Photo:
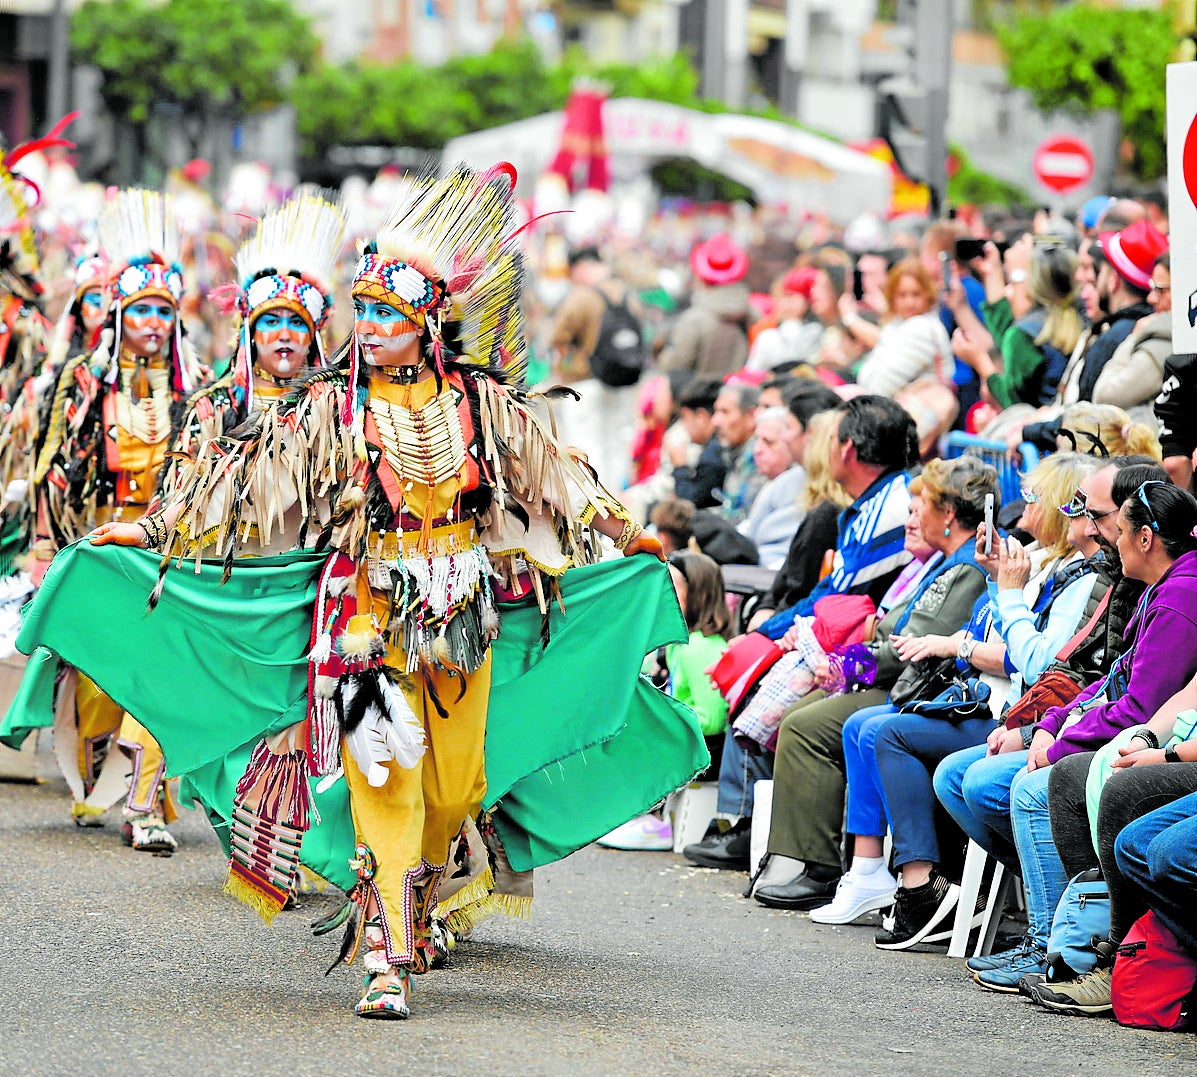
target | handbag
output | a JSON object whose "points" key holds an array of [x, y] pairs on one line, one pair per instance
{"points": [[1056, 687], [923, 680], [962, 699]]}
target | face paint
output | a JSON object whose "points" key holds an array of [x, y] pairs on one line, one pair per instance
{"points": [[91, 309], [282, 341], [146, 326], [387, 337]]}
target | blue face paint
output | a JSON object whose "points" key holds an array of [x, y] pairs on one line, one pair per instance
{"points": [[274, 321], [381, 319], [144, 311]]}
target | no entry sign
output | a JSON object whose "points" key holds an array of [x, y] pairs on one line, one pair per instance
{"points": [[1063, 163]]}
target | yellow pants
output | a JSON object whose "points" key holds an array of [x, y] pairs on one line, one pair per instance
{"points": [[409, 822], [98, 717]]}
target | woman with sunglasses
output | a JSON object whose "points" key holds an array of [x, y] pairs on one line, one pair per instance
{"points": [[1001, 800]]}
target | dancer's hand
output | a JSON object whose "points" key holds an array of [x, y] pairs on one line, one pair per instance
{"points": [[129, 534], [645, 543]]}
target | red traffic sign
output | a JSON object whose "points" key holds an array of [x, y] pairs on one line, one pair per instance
{"points": [[1063, 163], [1188, 161]]}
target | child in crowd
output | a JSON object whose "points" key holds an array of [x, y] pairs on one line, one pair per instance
{"points": [[699, 586]]}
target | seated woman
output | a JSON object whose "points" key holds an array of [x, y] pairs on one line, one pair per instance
{"points": [[1134, 788], [1032, 317], [1034, 601], [1000, 800], [911, 360], [808, 793]]}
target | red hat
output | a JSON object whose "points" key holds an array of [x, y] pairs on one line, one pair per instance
{"points": [[719, 261], [800, 281], [1133, 251]]}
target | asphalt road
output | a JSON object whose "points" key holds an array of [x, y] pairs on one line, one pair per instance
{"points": [[117, 962]]}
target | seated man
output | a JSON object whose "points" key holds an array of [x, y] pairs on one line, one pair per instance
{"points": [[874, 441], [774, 516]]}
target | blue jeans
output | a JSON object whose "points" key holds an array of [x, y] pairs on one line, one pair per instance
{"points": [[975, 789], [867, 812], [737, 773], [1158, 853], [906, 751], [1004, 810], [1043, 874]]}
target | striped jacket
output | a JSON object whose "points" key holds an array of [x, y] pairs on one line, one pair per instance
{"points": [[870, 551]]}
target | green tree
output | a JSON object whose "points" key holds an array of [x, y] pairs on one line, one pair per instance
{"points": [[1084, 58], [212, 60]]}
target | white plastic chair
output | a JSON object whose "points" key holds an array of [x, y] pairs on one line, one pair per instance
{"points": [[691, 811], [970, 889]]}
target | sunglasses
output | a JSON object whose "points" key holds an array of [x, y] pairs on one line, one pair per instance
{"points": [[1079, 506], [1028, 495], [1141, 494]]}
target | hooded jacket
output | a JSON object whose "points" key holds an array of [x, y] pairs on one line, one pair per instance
{"points": [[1165, 626], [1134, 374]]}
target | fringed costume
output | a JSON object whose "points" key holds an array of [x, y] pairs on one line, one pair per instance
{"points": [[439, 501], [106, 439]]}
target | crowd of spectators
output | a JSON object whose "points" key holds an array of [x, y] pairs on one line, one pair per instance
{"points": [[917, 664]]}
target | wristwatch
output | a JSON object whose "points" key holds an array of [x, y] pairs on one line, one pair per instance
{"points": [[965, 651], [1018, 276], [1171, 756]]}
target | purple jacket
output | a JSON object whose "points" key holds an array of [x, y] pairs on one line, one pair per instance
{"points": [[1162, 659]]}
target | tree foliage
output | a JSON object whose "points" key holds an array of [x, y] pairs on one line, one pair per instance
{"points": [[1084, 58], [202, 56], [407, 104]]}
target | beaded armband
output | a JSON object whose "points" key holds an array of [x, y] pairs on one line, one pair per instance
{"points": [[155, 531], [630, 530]]}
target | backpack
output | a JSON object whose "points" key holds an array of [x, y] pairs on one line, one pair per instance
{"points": [[1154, 978], [619, 354], [1082, 918]]}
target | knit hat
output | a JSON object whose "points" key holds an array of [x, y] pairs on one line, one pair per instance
{"points": [[719, 261], [1133, 251]]}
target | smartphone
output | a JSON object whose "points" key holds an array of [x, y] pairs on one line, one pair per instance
{"points": [[968, 248], [857, 285], [945, 270], [989, 528]]}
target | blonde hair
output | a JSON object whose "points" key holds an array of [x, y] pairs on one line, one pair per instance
{"points": [[1112, 427], [1055, 480], [913, 268], [820, 484], [1052, 283]]}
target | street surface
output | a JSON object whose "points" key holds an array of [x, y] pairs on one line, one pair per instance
{"points": [[118, 962]]}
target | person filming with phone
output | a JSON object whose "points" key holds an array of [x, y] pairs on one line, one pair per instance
{"points": [[1031, 314]]}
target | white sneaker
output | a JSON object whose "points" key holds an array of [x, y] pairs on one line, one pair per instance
{"points": [[854, 897], [645, 833]]}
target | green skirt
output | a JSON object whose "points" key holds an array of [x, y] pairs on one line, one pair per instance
{"points": [[577, 741]]}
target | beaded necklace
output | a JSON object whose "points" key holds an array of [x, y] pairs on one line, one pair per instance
{"points": [[423, 444], [147, 418]]}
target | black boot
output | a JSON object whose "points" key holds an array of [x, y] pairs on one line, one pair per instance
{"points": [[726, 849]]}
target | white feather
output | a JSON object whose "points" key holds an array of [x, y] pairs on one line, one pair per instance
{"points": [[380, 738]]}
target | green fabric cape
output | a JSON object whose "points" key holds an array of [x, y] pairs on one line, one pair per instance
{"points": [[577, 741]]}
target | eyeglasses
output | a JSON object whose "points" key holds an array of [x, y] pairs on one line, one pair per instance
{"points": [[1141, 494], [1028, 495], [1159, 289]]}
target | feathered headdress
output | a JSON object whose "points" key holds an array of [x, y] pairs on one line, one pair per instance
{"points": [[447, 253], [288, 263], [18, 195], [140, 236], [91, 274]]}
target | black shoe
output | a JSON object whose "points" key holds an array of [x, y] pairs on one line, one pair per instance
{"points": [[917, 912], [727, 849], [814, 887]]}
